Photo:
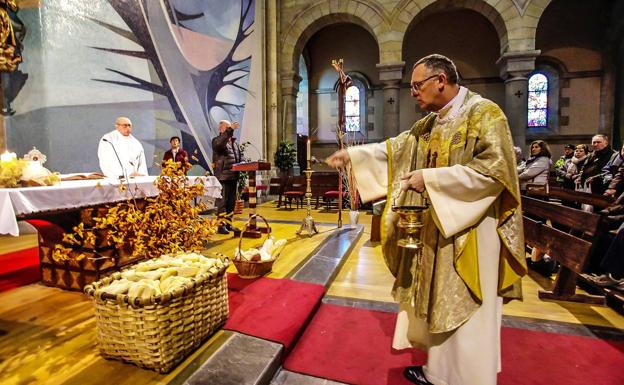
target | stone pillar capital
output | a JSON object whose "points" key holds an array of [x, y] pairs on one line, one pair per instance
{"points": [[517, 64], [290, 83], [391, 74]]}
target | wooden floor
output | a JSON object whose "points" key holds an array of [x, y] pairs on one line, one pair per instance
{"points": [[47, 336]]}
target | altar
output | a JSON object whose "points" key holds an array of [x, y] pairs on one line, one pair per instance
{"points": [[33, 202]]}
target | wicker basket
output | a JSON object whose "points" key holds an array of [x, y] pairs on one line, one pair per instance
{"points": [[159, 332], [252, 269]]}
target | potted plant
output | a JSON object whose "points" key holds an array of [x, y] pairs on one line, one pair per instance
{"points": [[285, 156], [241, 182]]}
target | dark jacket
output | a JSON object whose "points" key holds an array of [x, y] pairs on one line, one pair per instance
{"points": [[595, 162], [617, 183], [224, 154]]}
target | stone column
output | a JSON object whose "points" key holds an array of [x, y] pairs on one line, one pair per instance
{"points": [[288, 125], [390, 75], [514, 67], [290, 88], [607, 99]]}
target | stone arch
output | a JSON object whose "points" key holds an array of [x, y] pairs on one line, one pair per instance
{"points": [[410, 12], [522, 30], [325, 13]]}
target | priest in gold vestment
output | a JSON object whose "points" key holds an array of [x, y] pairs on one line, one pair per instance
{"points": [[460, 156]]}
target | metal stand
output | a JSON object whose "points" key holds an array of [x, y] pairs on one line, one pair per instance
{"points": [[308, 222]]}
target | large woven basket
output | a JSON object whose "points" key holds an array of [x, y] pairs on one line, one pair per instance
{"points": [[159, 332], [249, 269]]}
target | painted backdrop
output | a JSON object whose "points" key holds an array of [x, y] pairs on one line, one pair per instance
{"points": [[174, 67]]}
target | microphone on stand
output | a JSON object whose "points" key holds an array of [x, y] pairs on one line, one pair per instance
{"points": [[257, 150], [119, 160]]}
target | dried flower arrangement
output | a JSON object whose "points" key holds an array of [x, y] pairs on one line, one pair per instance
{"points": [[165, 224]]}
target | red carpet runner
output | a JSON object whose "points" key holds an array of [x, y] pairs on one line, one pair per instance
{"points": [[353, 346], [19, 268], [273, 309]]}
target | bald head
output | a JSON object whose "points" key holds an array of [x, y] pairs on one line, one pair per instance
{"points": [[123, 125]]}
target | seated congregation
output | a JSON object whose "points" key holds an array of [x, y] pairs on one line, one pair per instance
{"points": [[574, 218]]}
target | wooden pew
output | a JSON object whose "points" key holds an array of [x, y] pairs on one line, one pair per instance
{"points": [[571, 251], [562, 194]]}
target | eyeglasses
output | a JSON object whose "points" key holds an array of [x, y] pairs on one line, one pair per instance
{"points": [[124, 124], [416, 85]]}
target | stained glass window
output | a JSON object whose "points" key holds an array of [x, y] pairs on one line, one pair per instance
{"points": [[352, 109], [538, 101]]}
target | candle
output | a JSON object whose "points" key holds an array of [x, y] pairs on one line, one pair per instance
{"points": [[309, 152], [8, 156]]}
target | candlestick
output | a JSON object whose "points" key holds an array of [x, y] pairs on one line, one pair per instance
{"points": [[308, 226], [8, 156]]}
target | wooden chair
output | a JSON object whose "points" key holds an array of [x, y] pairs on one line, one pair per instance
{"points": [[323, 182], [571, 251], [295, 189], [276, 187]]}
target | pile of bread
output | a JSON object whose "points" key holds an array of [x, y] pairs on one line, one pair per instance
{"points": [[162, 275], [269, 250]]}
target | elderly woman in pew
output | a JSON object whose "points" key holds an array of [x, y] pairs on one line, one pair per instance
{"points": [[537, 167], [574, 168]]}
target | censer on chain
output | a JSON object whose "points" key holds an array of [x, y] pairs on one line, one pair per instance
{"points": [[411, 220]]}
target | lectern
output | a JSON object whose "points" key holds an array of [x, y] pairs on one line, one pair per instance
{"points": [[250, 168]]}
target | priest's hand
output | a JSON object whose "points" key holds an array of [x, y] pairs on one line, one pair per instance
{"points": [[413, 180], [338, 159]]}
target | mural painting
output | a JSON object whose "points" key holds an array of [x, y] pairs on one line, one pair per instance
{"points": [[175, 67]]}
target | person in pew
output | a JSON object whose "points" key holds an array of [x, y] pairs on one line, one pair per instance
{"points": [[609, 170], [612, 263], [176, 153], [616, 184], [537, 167], [574, 168], [562, 164], [518, 155], [120, 154], [592, 169], [461, 156]]}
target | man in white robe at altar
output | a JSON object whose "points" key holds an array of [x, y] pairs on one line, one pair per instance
{"points": [[120, 154], [460, 159]]}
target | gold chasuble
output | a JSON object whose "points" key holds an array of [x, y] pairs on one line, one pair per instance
{"points": [[444, 287]]}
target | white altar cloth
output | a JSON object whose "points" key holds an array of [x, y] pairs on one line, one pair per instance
{"points": [[15, 202]]}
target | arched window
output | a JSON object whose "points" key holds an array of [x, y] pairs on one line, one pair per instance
{"points": [[303, 127], [538, 101], [352, 109]]}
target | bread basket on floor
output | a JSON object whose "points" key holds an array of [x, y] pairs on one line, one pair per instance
{"points": [[160, 331], [246, 267]]}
